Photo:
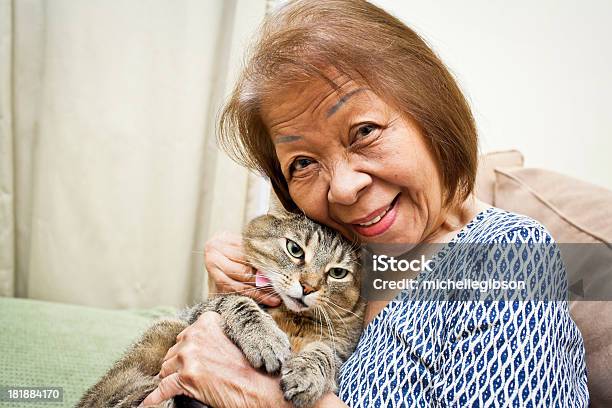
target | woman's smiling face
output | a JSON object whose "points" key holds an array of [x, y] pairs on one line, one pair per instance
{"points": [[354, 163]]}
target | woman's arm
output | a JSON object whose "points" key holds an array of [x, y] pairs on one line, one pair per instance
{"points": [[330, 400], [205, 365]]}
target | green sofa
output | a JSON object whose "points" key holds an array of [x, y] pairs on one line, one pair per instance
{"points": [[68, 346]]}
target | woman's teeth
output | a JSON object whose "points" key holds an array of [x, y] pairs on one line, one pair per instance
{"points": [[375, 219]]}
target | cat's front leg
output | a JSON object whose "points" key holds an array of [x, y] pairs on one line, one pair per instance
{"points": [[254, 331], [308, 375]]}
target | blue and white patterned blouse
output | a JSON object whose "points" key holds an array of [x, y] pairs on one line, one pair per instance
{"points": [[475, 353]]}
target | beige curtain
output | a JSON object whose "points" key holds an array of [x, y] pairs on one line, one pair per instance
{"points": [[7, 226], [110, 179]]}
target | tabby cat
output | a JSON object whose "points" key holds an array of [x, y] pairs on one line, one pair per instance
{"points": [[316, 273]]}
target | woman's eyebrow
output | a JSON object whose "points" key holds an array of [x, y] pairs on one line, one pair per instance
{"points": [[331, 111], [287, 139], [342, 100]]}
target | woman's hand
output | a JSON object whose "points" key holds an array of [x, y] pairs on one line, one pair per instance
{"points": [[225, 263], [204, 364]]}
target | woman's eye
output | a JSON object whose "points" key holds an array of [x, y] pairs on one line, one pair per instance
{"points": [[337, 273], [294, 249], [299, 164], [365, 130]]}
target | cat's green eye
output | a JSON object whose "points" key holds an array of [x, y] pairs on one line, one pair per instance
{"points": [[294, 249], [337, 273]]}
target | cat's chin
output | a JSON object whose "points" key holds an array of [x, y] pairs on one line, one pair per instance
{"points": [[294, 305]]}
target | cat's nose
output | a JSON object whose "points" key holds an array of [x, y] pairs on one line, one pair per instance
{"points": [[306, 289]]}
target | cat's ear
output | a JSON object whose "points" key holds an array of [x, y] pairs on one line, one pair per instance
{"points": [[276, 208]]}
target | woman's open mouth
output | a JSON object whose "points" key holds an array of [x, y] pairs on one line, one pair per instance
{"points": [[380, 223]]}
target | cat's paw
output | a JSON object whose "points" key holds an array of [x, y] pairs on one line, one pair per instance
{"points": [[302, 383], [254, 332], [266, 347]]}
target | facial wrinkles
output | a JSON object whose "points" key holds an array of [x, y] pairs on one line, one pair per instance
{"points": [[321, 140], [313, 125], [336, 164], [318, 103], [285, 116]]}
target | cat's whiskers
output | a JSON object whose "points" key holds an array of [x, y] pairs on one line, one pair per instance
{"points": [[340, 318], [243, 291], [355, 246], [331, 330], [317, 319], [268, 269], [330, 302], [266, 297]]}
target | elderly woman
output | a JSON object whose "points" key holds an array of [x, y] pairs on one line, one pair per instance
{"points": [[361, 127]]}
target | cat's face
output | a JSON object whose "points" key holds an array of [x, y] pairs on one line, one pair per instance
{"points": [[309, 266]]}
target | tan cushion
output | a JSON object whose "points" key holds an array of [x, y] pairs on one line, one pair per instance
{"points": [[574, 212], [487, 163]]}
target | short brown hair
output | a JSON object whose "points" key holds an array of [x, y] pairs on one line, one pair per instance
{"points": [[303, 38]]}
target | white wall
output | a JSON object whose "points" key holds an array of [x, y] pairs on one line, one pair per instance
{"points": [[538, 75]]}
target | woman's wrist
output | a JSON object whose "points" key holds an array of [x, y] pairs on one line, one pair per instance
{"points": [[275, 398], [330, 400], [267, 391]]}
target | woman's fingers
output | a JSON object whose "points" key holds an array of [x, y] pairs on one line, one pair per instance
{"points": [[166, 389], [169, 367], [229, 238], [224, 284], [266, 296], [225, 262], [172, 351], [234, 268], [221, 258]]}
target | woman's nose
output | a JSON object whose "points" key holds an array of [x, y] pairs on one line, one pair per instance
{"points": [[346, 184]]}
